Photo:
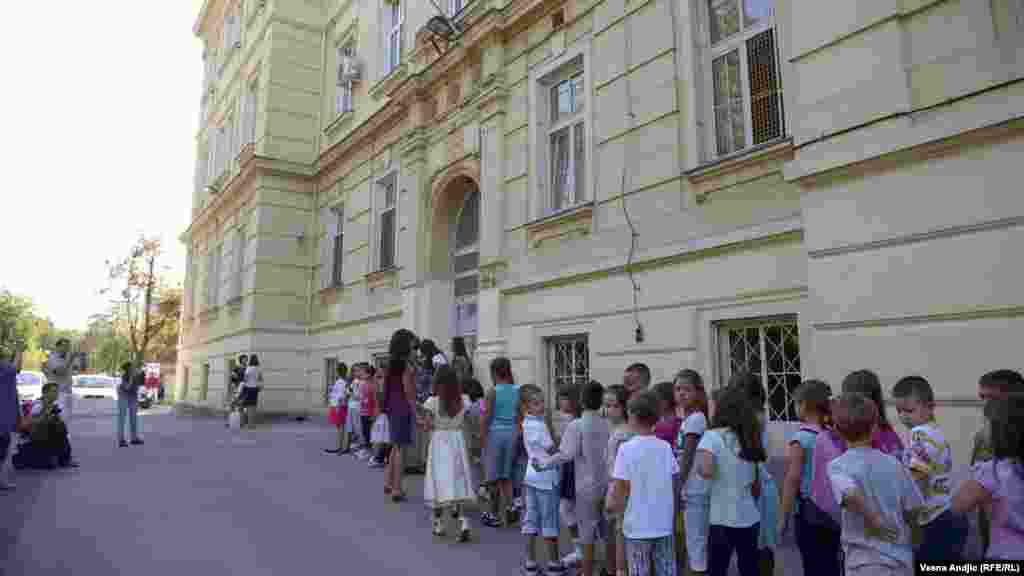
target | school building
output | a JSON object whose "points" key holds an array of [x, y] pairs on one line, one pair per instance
{"points": [[796, 187]]}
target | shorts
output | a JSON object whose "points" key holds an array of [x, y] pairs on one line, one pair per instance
{"points": [[651, 557], [400, 427], [541, 516], [336, 416], [501, 454], [590, 515]]}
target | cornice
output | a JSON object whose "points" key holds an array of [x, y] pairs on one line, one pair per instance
{"points": [[251, 167], [367, 130]]}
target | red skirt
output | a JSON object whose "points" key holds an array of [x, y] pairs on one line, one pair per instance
{"points": [[337, 415]]}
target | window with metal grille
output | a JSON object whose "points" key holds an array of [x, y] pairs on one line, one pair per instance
{"points": [[568, 362], [746, 88], [770, 349], [386, 254], [330, 376]]}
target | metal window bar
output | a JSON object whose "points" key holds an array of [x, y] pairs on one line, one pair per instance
{"points": [[770, 350], [569, 361]]}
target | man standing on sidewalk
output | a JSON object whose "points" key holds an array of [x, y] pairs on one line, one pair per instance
{"points": [[10, 411], [59, 369]]}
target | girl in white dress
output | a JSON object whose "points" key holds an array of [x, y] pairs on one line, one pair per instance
{"points": [[448, 485]]}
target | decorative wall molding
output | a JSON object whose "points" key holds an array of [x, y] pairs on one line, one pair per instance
{"points": [[965, 314]]}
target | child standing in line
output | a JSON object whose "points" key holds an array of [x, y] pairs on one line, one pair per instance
{"points": [[728, 456], [998, 384], [615, 398], [541, 486], [368, 412], [448, 482], [336, 414], [875, 493], [999, 483], [818, 544], [768, 503], [929, 459], [568, 411], [359, 444], [692, 398], [644, 488], [472, 388], [382, 448], [584, 443]]}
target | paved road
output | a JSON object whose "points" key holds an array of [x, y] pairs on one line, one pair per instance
{"points": [[201, 500]]}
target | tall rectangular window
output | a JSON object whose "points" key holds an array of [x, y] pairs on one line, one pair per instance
{"points": [[561, 97], [770, 349], [393, 16], [746, 86], [338, 246], [388, 221], [238, 275], [247, 127], [343, 94], [330, 376]]}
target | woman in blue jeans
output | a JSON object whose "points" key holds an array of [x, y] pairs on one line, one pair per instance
{"points": [[498, 435], [128, 403]]}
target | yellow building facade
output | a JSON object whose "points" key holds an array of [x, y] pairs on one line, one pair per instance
{"points": [[795, 187]]}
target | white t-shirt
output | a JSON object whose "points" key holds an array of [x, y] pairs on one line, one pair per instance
{"points": [[648, 464], [538, 440], [253, 376], [337, 393], [695, 423], [732, 504]]}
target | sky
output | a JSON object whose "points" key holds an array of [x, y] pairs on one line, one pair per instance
{"points": [[100, 107]]}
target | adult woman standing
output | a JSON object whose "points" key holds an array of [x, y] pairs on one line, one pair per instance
{"points": [[461, 361], [249, 391], [399, 397]]}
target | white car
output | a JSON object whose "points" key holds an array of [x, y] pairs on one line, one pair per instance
{"points": [[30, 384], [94, 386]]}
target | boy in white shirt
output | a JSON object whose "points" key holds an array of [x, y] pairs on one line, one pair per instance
{"points": [[644, 486], [338, 404], [929, 459], [541, 486]]}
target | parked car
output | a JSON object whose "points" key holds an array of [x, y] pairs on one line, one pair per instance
{"points": [[30, 384], [94, 386]]}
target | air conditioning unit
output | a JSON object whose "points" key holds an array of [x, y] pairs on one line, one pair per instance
{"points": [[349, 68]]}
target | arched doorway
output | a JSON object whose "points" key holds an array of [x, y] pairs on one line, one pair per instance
{"points": [[466, 269]]}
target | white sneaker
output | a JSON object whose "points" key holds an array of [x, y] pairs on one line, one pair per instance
{"points": [[571, 559]]}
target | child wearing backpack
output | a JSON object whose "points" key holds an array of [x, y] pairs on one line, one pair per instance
{"points": [[817, 535]]}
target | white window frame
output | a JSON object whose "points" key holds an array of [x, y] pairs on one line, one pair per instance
{"points": [[723, 357], [329, 221], [542, 78], [392, 34], [383, 208], [570, 197], [738, 42], [330, 377], [344, 98]]}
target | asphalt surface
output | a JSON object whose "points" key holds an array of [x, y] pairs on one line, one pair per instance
{"points": [[199, 499]]}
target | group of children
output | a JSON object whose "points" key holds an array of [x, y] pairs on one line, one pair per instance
{"points": [[674, 482], [353, 409]]}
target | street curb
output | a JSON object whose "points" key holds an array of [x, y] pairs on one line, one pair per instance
{"points": [[208, 412]]}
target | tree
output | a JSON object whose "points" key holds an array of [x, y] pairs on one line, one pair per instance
{"points": [[17, 319], [146, 305]]}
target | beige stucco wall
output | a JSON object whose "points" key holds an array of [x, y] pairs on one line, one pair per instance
{"points": [[886, 225]]}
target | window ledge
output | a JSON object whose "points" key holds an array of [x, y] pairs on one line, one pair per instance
{"points": [[740, 167], [339, 121], [330, 295], [573, 221], [387, 277], [387, 85]]}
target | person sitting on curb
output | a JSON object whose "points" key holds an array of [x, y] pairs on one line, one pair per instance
{"points": [[48, 446]]}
